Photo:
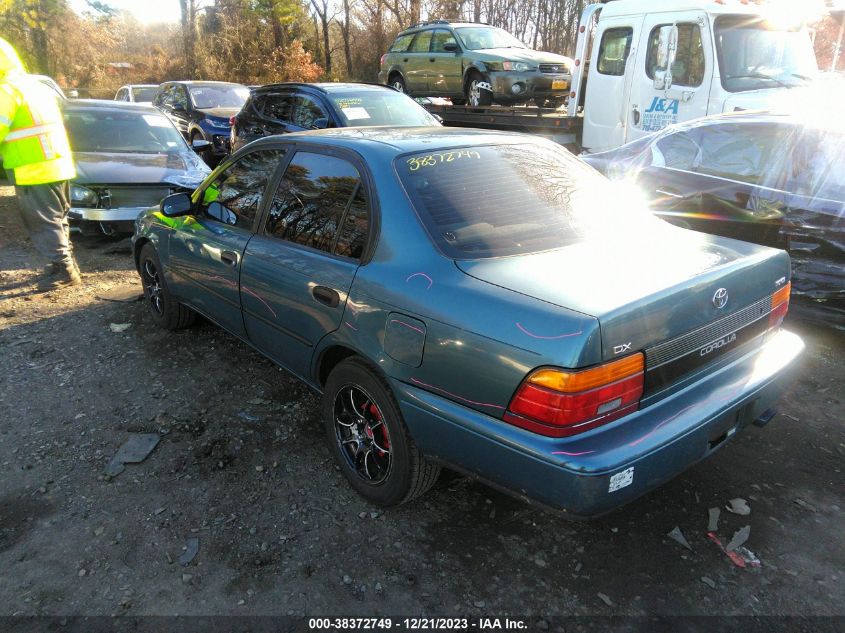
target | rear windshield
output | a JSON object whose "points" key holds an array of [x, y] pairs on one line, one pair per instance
{"points": [[385, 107], [499, 200]]}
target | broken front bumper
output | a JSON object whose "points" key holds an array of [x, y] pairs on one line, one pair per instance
{"points": [[521, 86], [592, 473], [121, 220]]}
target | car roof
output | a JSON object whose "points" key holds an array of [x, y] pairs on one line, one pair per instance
{"points": [[140, 86], [197, 82], [440, 23], [400, 140], [82, 105], [325, 87]]}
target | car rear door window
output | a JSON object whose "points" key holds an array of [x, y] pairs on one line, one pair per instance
{"points": [[279, 107], [234, 197], [678, 151], [421, 42], [401, 44], [321, 203], [688, 67], [614, 49], [440, 38]]}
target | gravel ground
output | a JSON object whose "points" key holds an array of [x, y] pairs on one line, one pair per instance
{"points": [[242, 466]]}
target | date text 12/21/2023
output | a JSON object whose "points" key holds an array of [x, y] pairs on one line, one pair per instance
{"points": [[417, 624]]}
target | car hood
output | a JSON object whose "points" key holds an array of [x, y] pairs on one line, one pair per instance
{"points": [[220, 113], [184, 169], [521, 55], [770, 99]]}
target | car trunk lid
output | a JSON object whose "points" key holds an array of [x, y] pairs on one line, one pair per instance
{"points": [[671, 298]]}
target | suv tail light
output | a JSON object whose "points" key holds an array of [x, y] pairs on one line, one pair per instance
{"points": [[381, 59], [780, 306], [559, 403], [232, 119]]}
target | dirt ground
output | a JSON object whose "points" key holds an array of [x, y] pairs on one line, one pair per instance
{"points": [[242, 466]]}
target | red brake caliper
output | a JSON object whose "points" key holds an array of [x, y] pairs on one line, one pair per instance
{"points": [[385, 441]]}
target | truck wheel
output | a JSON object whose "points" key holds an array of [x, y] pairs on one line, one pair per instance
{"points": [[369, 439], [399, 84], [167, 312], [478, 91]]}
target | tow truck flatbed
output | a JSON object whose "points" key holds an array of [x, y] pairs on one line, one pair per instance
{"points": [[557, 124]]}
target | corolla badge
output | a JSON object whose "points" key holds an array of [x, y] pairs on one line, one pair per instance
{"points": [[720, 298]]}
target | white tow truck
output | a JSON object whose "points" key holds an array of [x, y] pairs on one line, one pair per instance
{"points": [[641, 65]]}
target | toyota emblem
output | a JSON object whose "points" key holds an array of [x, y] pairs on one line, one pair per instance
{"points": [[720, 298]]}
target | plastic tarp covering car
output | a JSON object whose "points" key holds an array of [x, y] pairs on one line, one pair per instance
{"points": [[775, 179]]}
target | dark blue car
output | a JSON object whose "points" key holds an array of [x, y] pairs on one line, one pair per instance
{"points": [[202, 110], [478, 300]]}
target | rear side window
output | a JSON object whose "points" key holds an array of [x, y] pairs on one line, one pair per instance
{"points": [[614, 49], [421, 42], [321, 203], [492, 201], [688, 67], [401, 44], [736, 151], [278, 107]]}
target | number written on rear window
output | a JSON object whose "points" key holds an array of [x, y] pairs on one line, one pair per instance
{"points": [[321, 203]]}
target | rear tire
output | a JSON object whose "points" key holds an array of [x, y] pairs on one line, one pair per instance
{"points": [[369, 439], [166, 311], [398, 84]]}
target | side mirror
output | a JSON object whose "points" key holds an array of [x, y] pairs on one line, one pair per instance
{"points": [[200, 145], [667, 47], [176, 204], [221, 213], [320, 124], [451, 47]]}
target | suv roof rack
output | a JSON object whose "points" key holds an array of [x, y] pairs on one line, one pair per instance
{"points": [[427, 22]]}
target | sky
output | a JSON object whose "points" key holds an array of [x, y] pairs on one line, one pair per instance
{"points": [[146, 11]]}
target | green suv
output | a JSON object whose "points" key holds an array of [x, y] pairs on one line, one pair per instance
{"points": [[475, 64]]}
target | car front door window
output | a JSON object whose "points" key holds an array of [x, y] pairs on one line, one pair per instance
{"points": [[234, 197], [307, 111]]}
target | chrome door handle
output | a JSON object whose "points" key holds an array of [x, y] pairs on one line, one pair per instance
{"points": [[229, 257]]}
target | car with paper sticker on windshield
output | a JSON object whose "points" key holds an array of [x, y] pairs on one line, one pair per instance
{"points": [[295, 107], [479, 301], [128, 157]]}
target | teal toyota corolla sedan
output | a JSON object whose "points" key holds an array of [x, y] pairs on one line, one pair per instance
{"points": [[477, 300]]}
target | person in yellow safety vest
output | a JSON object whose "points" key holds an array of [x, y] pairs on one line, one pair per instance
{"points": [[36, 154]]}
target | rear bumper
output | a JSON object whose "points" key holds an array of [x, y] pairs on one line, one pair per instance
{"points": [[592, 473]]}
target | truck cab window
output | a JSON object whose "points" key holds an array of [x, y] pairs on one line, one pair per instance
{"points": [[614, 49], [688, 68]]}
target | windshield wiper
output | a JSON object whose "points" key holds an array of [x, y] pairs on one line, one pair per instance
{"points": [[760, 76]]}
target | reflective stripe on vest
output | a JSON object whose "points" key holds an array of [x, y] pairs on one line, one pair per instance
{"points": [[33, 130]]}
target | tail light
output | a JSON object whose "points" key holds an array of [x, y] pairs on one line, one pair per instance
{"points": [[232, 119], [780, 306], [559, 403], [381, 59]]}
